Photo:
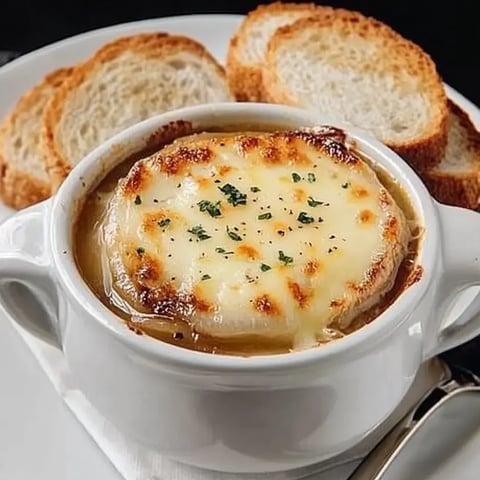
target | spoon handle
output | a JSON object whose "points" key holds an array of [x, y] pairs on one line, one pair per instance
{"points": [[377, 462]]}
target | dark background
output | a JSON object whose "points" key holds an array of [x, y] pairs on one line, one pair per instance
{"points": [[449, 31]]}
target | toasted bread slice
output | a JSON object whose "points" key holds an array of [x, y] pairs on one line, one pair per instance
{"points": [[248, 46], [361, 71], [126, 81], [456, 180], [23, 178]]}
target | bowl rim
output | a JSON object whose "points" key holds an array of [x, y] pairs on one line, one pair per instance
{"points": [[61, 214]]}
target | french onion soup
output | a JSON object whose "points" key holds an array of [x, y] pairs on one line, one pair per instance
{"points": [[248, 243]]}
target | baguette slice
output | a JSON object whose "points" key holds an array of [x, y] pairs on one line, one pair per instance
{"points": [[361, 71], [456, 180], [126, 81], [23, 178], [248, 46]]}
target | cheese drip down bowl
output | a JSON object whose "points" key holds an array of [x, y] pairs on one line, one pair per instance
{"points": [[223, 407]]}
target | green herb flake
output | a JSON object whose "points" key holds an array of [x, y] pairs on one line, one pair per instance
{"points": [[284, 258], [140, 251], [311, 177], [304, 218], [345, 185], [213, 209], [265, 216], [234, 236], [234, 196], [164, 223], [313, 203], [199, 232], [265, 268], [223, 251], [206, 277], [138, 200], [255, 189], [296, 177]]}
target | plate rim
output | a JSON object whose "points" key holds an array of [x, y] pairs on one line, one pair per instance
{"points": [[69, 41]]}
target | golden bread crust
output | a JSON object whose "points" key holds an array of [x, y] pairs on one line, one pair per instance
{"points": [[461, 189], [245, 80], [19, 188], [423, 152], [150, 45]]}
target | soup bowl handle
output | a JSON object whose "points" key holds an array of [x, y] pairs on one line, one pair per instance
{"points": [[460, 230], [28, 290]]}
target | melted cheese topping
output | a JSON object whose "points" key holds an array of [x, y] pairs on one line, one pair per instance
{"points": [[279, 235]]}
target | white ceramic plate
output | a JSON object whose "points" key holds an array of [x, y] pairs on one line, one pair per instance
{"points": [[16, 77]]}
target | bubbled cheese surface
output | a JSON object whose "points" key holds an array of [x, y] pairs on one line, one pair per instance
{"points": [[278, 234]]}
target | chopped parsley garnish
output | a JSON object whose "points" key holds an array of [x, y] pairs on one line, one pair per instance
{"points": [[234, 236], [213, 209], [140, 251], [265, 268], [223, 251], [138, 200], [313, 203], [206, 277], [304, 218], [284, 258], [199, 232], [254, 189], [164, 223], [234, 196], [296, 177], [345, 185], [265, 216], [311, 177]]}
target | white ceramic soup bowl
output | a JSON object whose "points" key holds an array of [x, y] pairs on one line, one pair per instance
{"points": [[228, 413]]}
